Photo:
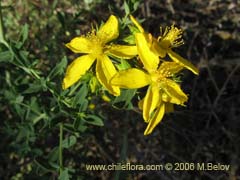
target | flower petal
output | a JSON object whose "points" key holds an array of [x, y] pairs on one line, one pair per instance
{"points": [[131, 79], [158, 115], [151, 101], [105, 70], [140, 104], [80, 45], [123, 51], [109, 30], [136, 23], [178, 59], [146, 104], [76, 69], [157, 49], [148, 58], [170, 67], [174, 93]]}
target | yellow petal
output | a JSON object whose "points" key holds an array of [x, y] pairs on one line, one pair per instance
{"points": [[136, 23], [147, 104], [123, 51], [109, 30], [166, 98], [105, 70], [131, 79], [80, 45], [158, 115], [170, 67], [157, 49], [76, 69], [154, 45], [178, 59], [174, 93], [106, 98], [140, 104], [151, 101], [148, 58]]}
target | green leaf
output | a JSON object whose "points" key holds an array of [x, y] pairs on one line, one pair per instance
{"points": [[123, 65], [69, 141], [135, 5], [23, 132], [78, 125], [61, 18], [6, 56], [44, 165], [54, 4], [19, 99], [80, 97], [58, 69], [94, 120], [38, 118], [53, 155], [22, 37], [64, 175], [84, 105], [125, 97], [130, 39], [33, 112], [24, 57], [126, 8], [33, 88], [24, 33]]}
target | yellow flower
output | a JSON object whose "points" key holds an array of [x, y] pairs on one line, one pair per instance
{"points": [[106, 98], [162, 46], [91, 106], [162, 92], [94, 47]]}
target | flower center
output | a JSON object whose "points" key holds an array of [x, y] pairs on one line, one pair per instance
{"points": [[172, 37], [97, 44], [160, 75]]}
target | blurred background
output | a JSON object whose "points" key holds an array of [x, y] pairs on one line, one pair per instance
{"points": [[32, 104]]}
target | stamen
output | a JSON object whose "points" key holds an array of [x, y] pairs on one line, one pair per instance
{"points": [[172, 37], [96, 43]]}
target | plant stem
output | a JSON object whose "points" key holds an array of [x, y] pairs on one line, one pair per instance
{"points": [[1, 24], [2, 35], [60, 148]]}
